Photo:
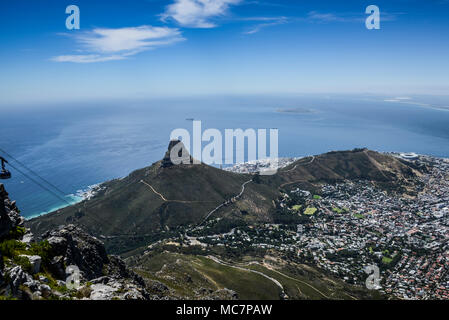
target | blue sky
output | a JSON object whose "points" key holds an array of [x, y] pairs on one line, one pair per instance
{"points": [[150, 48]]}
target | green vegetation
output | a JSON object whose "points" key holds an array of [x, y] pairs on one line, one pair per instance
{"points": [[316, 197], [41, 249], [14, 251], [12, 248], [297, 207], [16, 233], [310, 211], [386, 260], [249, 285], [185, 274], [337, 210], [359, 216]]}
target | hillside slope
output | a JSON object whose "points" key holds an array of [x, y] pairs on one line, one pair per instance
{"points": [[386, 171], [148, 201], [130, 212]]}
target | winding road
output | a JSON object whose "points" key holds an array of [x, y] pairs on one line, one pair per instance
{"points": [[300, 164]]}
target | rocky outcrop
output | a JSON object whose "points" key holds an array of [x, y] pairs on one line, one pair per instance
{"points": [[72, 246], [9, 214], [68, 263], [176, 154]]}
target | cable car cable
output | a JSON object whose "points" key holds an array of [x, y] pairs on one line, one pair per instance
{"points": [[42, 186], [33, 172]]}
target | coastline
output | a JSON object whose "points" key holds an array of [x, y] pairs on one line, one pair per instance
{"points": [[74, 200], [79, 196]]}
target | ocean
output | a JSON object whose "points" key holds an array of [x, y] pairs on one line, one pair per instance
{"points": [[74, 146]]}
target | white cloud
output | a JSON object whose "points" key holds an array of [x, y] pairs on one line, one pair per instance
{"points": [[268, 22], [197, 13], [319, 17], [87, 58], [325, 17], [103, 44]]}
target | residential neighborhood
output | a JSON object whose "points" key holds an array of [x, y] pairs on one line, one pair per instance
{"points": [[352, 225]]}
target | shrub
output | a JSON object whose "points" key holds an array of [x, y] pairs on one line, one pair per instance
{"points": [[12, 248], [16, 233], [41, 249], [24, 262]]}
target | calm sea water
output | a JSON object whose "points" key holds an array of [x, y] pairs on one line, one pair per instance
{"points": [[76, 146]]}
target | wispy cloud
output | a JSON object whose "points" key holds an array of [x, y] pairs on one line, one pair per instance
{"points": [[87, 58], [325, 17], [103, 44], [265, 23], [197, 13], [320, 17]]}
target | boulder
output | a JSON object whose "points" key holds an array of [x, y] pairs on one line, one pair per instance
{"points": [[45, 290], [28, 238], [35, 262], [102, 292], [57, 267], [78, 248], [58, 245], [18, 277]]}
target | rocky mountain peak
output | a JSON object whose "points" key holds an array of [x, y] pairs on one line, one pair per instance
{"points": [[176, 154]]}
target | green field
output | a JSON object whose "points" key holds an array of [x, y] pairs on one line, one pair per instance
{"points": [[337, 210], [310, 211], [386, 260]]}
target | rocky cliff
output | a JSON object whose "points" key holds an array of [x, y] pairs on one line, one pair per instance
{"points": [[9, 214], [66, 264]]}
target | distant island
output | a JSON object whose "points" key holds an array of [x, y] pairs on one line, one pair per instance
{"points": [[298, 110]]}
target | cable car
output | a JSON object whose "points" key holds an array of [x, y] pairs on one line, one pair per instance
{"points": [[4, 174]]}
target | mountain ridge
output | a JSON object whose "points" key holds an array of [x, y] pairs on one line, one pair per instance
{"points": [[162, 197]]}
